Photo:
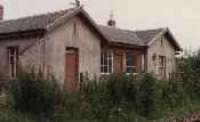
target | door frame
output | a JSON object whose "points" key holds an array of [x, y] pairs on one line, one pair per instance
{"points": [[118, 53], [77, 64]]}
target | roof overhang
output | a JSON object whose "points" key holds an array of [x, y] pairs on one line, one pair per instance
{"points": [[79, 11], [166, 32], [126, 45], [23, 34], [173, 40]]}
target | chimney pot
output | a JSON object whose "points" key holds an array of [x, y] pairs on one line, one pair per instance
{"points": [[111, 23]]}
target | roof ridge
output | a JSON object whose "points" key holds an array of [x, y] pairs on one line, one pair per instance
{"points": [[152, 29], [129, 30], [116, 28]]}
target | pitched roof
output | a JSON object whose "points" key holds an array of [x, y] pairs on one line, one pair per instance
{"points": [[147, 35], [140, 38], [128, 36], [121, 36], [31, 23], [46, 22], [49, 20]]}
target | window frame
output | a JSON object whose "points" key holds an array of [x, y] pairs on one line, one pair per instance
{"points": [[143, 62], [13, 67], [130, 66], [162, 64], [104, 53], [162, 61], [162, 42]]}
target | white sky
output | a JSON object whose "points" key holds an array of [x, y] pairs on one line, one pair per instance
{"points": [[181, 16]]}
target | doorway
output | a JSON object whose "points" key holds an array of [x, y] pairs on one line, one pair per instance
{"points": [[71, 69]]}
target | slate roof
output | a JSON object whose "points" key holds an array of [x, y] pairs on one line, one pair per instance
{"points": [[32, 22], [41, 22], [121, 36], [147, 35], [140, 38]]}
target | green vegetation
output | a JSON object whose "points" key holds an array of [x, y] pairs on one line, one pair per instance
{"points": [[115, 98]]}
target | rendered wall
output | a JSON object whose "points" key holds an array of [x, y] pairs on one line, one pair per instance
{"points": [[166, 50], [73, 33]]}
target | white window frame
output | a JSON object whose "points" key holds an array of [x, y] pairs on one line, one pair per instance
{"points": [[13, 70], [107, 63], [143, 62]]}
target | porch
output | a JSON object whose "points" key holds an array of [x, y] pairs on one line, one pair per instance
{"points": [[123, 59]]}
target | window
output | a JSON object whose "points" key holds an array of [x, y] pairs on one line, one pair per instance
{"points": [[162, 66], [106, 62], [131, 60], [143, 62], [13, 56], [161, 42], [162, 61]]}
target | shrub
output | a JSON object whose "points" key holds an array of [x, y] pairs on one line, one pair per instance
{"points": [[174, 95], [11, 116], [148, 96], [117, 93], [32, 94], [117, 97], [191, 68]]}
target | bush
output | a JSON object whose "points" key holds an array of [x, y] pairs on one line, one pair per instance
{"points": [[148, 96], [174, 95], [118, 97], [117, 93], [191, 68], [31, 94], [11, 116]]}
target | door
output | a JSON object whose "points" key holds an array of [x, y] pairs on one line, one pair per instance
{"points": [[118, 62], [71, 69]]}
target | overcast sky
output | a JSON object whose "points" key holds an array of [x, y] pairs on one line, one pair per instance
{"points": [[181, 16]]}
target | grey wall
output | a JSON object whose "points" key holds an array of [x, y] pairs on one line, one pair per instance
{"points": [[165, 50], [74, 33], [27, 58], [48, 53]]}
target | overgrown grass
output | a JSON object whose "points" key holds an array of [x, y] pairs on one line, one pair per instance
{"points": [[118, 97], [114, 98]]}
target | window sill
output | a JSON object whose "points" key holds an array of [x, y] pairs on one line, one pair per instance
{"points": [[105, 73], [132, 74]]}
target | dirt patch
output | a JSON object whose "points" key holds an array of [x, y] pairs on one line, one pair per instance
{"points": [[192, 118]]}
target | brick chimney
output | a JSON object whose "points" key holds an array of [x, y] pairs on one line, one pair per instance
{"points": [[111, 22], [1, 12]]}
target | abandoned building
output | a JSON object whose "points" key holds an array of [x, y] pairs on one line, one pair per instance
{"points": [[68, 43]]}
